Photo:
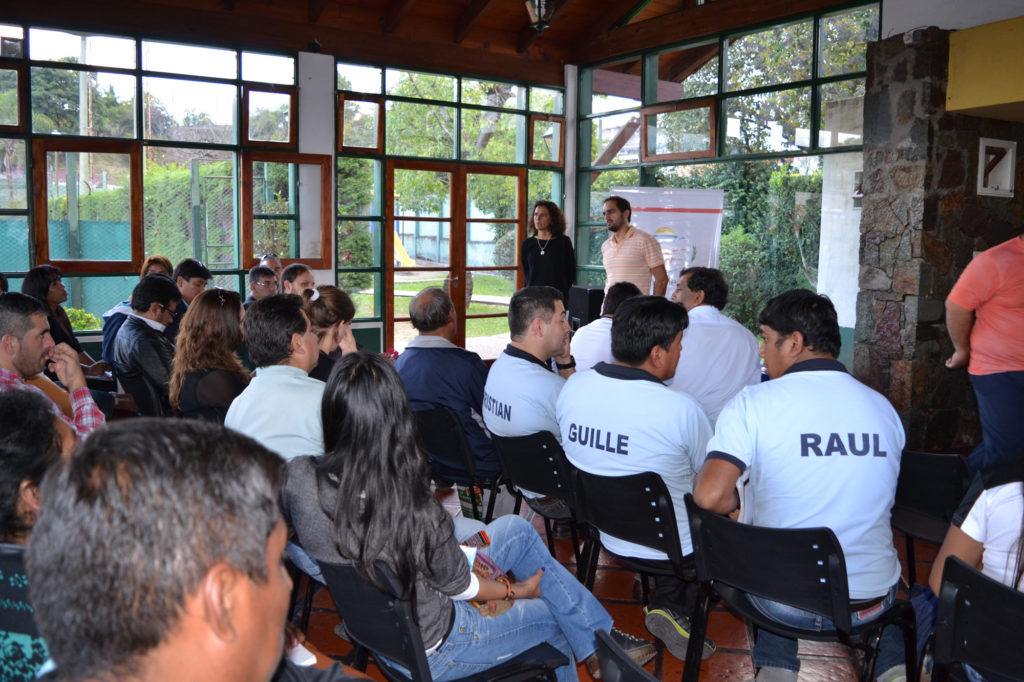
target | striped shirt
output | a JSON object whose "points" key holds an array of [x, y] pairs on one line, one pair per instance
{"points": [[631, 259]]}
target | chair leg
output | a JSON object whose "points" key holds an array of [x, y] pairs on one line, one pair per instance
{"points": [[911, 562], [519, 503], [909, 628], [550, 535], [575, 541], [583, 559], [645, 587], [490, 503], [698, 627]]}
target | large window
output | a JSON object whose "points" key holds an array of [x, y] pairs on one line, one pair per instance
{"points": [[117, 148], [773, 117]]}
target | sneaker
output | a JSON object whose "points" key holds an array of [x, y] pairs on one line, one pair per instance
{"points": [[640, 650], [674, 632]]}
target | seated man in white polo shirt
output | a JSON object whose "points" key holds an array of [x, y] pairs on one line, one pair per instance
{"points": [[521, 388], [592, 343], [658, 429], [719, 355], [823, 450]]}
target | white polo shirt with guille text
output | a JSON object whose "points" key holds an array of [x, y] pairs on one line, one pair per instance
{"points": [[823, 450], [618, 421]]}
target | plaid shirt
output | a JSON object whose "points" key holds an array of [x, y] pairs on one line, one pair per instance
{"points": [[88, 417]]}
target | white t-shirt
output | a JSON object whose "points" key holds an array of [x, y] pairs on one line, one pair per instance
{"points": [[823, 450], [651, 427], [520, 395], [592, 343], [994, 520], [718, 359]]}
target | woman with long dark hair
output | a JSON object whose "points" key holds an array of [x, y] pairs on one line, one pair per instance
{"points": [[547, 254], [207, 373], [369, 498]]}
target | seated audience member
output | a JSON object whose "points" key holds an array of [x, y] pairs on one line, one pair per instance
{"points": [[262, 283], [26, 349], [719, 355], [372, 455], [191, 276], [274, 263], [207, 373], [280, 407], [660, 430], [158, 555], [330, 311], [436, 372], [115, 317], [29, 444], [822, 449], [592, 343], [521, 388], [297, 278], [142, 351]]}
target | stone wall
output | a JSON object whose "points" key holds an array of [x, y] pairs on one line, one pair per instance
{"points": [[921, 223]]}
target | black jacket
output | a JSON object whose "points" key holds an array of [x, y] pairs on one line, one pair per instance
{"points": [[143, 359]]}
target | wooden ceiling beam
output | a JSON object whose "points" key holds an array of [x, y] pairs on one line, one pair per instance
{"points": [[613, 13], [316, 8], [689, 23], [528, 34], [469, 18], [396, 12]]}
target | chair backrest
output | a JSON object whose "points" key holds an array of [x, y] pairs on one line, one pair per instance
{"points": [[378, 619], [932, 484], [536, 463], [801, 567], [636, 508], [616, 665], [979, 621], [442, 439], [147, 399]]}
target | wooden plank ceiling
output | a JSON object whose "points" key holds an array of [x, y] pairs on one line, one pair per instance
{"points": [[490, 38]]}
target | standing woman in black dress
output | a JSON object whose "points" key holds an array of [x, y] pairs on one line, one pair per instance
{"points": [[547, 255]]}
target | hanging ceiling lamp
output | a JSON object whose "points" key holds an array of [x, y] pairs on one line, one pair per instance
{"points": [[540, 12]]}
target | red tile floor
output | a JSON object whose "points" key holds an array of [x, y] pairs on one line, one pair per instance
{"points": [[732, 662]]}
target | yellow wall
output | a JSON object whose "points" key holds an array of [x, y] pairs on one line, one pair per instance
{"points": [[986, 70]]}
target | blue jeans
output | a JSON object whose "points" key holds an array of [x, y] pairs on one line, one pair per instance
{"points": [[566, 614], [776, 651], [1001, 412]]}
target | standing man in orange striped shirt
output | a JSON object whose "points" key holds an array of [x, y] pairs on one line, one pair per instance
{"points": [[630, 254]]}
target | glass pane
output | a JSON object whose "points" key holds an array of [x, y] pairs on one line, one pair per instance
{"points": [[426, 130], [420, 85], [88, 206], [768, 122], [491, 94], [547, 101], [269, 116], [493, 136], [358, 242], [590, 278], [491, 244], [360, 124], [90, 297], [13, 181], [547, 140], [692, 72], [408, 284], [359, 78], [678, 132], [544, 184], [842, 113], [81, 48], [422, 193], [83, 103], [600, 184], [292, 192], [268, 68], [422, 243], [613, 139], [845, 38], [14, 236], [777, 55], [189, 111], [361, 287], [9, 98], [616, 86], [228, 281], [490, 292], [188, 205], [357, 187], [491, 196], [272, 190], [191, 60], [12, 41]]}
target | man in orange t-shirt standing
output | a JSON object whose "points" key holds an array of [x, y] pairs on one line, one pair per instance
{"points": [[985, 319]]}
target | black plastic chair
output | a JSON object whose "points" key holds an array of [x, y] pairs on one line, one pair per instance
{"points": [[979, 623], [929, 490], [147, 398], [443, 440], [616, 665], [804, 568], [382, 622], [537, 463]]}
